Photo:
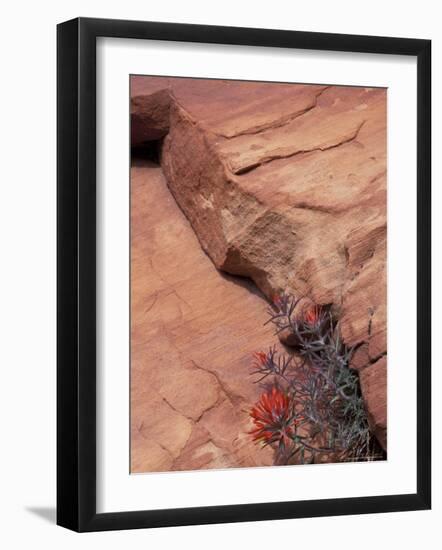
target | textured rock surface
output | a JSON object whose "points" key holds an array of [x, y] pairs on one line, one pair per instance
{"points": [[286, 184], [373, 383], [149, 117], [192, 335]]}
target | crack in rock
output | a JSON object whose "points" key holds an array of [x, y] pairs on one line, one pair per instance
{"points": [[150, 438], [248, 168], [283, 121], [233, 397]]}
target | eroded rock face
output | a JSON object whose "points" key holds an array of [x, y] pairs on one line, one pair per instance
{"points": [[373, 384], [193, 333], [149, 117], [286, 184]]}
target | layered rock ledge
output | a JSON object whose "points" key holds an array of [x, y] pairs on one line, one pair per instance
{"points": [[286, 185]]}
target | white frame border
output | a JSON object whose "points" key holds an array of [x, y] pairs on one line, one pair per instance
{"points": [[117, 490]]}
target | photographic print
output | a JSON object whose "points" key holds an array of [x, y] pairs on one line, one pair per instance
{"points": [[258, 288]]}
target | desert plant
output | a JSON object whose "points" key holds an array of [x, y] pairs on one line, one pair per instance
{"points": [[311, 409]]}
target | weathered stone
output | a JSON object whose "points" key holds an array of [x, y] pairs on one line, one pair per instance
{"points": [[285, 224], [177, 380], [202, 453], [193, 332], [374, 386], [159, 433], [149, 117], [364, 297]]}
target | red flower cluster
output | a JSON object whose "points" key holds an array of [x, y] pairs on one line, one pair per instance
{"points": [[312, 315], [274, 418], [261, 357]]}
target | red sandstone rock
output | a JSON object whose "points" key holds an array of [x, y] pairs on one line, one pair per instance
{"points": [[149, 117], [286, 184], [374, 385], [193, 333]]}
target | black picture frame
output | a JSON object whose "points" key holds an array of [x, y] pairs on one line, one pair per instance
{"points": [[76, 274]]}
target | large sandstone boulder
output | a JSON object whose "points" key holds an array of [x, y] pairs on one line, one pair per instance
{"points": [[286, 185]]}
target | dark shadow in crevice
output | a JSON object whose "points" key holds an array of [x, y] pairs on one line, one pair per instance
{"points": [[244, 282], [149, 150]]}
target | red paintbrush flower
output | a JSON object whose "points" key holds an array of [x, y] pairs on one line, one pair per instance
{"points": [[261, 357], [274, 418], [277, 299], [312, 315]]}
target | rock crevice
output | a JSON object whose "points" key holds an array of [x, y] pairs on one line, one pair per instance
{"points": [[278, 123], [353, 135]]}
